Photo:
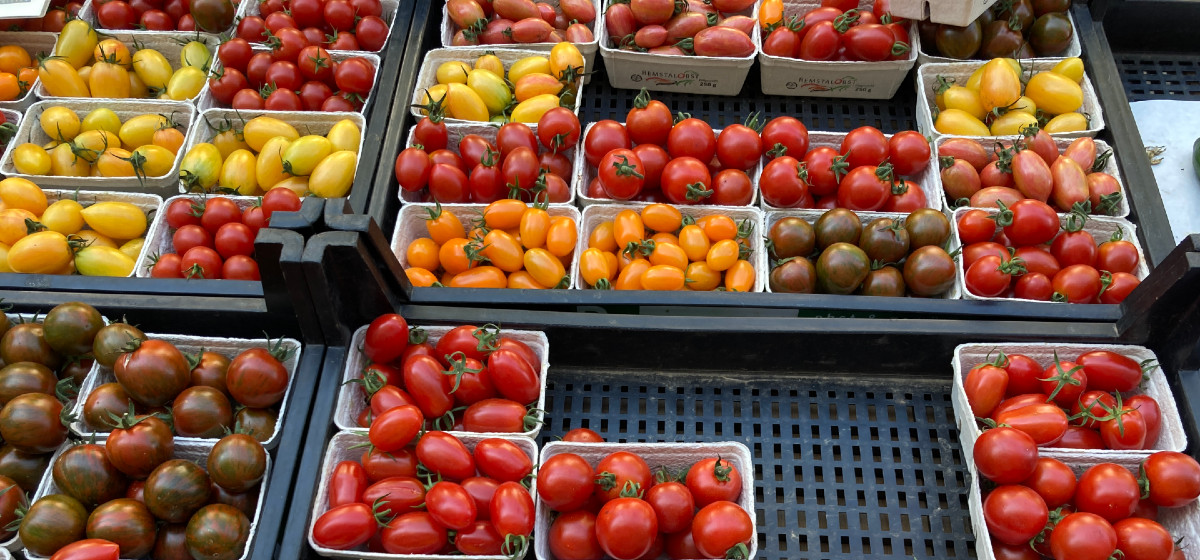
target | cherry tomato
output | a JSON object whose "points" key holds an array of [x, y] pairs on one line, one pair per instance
{"points": [[1083, 536], [649, 121], [692, 137], [603, 137], [622, 174], [1077, 283], [1014, 514], [711, 480], [1005, 455], [782, 183], [396, 428], [617, 469], [1107, 490], [565, 482], [865, 188], [908, 152], [512, 510], [739, 147], [788, 133], [1174, 478], [1053, 480], [722, 528], [573, 536], [626, 528], [354, 75]]}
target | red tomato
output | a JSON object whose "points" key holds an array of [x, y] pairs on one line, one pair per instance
{"points": [[234, 238], [512, 510], [1121, 286], [864, 146], [825, 170], [871, 42], [673, 505], [603, 137], [450, 505], [256, 69], [1005, 455], [626, 528], [502, 460], [116, 15], [558, 129], [1080, 438], [354, 75], [307, 13], [712, 480], [975, 226], [1023, 375], [1174, 478], [782, 182], [985, 386], [424, 380], [1045, 423], [1083, 536], [1151, 413], [583, 435], [347, 483], [622, 174], [226, 87], [908, 152], [448, 183], [182, 212], [573, 536], [565, 482], [692, 137], [616, 470], [240, 267], [396, 427], [686, 180], [515, 135], [1126, 430], [513, 376], [788, 133], [413, 533], [235, 53], [990, 276], [1064, 382], [1039, 260], [1014, 514], [252, 29], [1029, 222], [1053, 480], [739, 147], [166, 266], [972, 253], [339, 14], [649, 121], [156, 20], [89, 549], [431, 135], [202, 263], [732, 187], [1117, 256], [721, 529], [386, 338], [342, 41], [1109, 491], [820, 42], [481, 490], [1077, 283], [480, 539], [446, 455], [283, 100], [1143, 539], [1074, 247], [1097, 403], [314, 63], [865, 188], [906, 197]]}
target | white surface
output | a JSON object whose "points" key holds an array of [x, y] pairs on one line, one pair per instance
{"points": [[1175, 125]]}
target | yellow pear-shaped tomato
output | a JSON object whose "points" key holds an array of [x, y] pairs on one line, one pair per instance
{"points": [[16, 192], [102, 119], [533, 85], [452, 72], [201, 167], [1012, 122], [186, 83], [1071, 68], [238, 173], [85, 74], [269, 168], [139, 131], [91, 143], [999, 86], [156, 161], [1067, 122], [65, 163], [44, 252], [93, 238], [13, 225], [959, 122], [76, 42], [464, 103], [118, 220], [153, 68], [298, 185], [115, 162], [64, 216], [109, 80], [345, 135], [1054, 93], [113, 50], [491, 89], [61, 79], [565, 57], [303, 154], [196, 55], [229, 141], [528, 65], [133, 247], [137, 88], [490, 62], [103, 261], [260, 129], [532, 109], [60, 123], [959, 97], [31, 159], [975, 79], [334, 175]]}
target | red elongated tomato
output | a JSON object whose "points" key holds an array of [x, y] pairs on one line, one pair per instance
{"points": [[512, 510]]}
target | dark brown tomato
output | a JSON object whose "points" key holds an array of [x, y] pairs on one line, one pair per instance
{"points": [[84, 473], [110, 342], [257, 378], [153, 374], [171, 543], [210, 370], [237, 462], [1046, 6], [244, 501], [104, 402], [259, 423], [201, 411], [24, 343], [25, 377], [77, 369], [126, 522], [999, 40], [5, 323], [929, 271], [1021, 9], [792, 237], [137, 491], [217, 532], [51, 523], [841, 268], [884, 281], [25, 468], [213, 16], [884, 240], [176, 490], [137, 446], [926, 226], [70, 328], [958, 42], [837, 226], [1051, 34], [794, 275], [11, 496], [32, 423]]}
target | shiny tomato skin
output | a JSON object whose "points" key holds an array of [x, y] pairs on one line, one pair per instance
{"points": [[739, 147], [864, 146], [974, 226], [1033, 222], [345, 527], [1107, 490], [781, 182], [450, 505], [573, 536], [1005, 455], [512, 510], [413, 533], [1046, 423], [862, 189], [673, 505], [1078, 283], [650, 124], [985, 386], [712, 480], [347, 483], [502, 460], [444, 454], [908, 152], [1023, 375], [1053, 480], [603, 137], [401, 494], [565, 482], [626, 528], [395, 428], [583, 435], [1014, 514], [427, 384], [256, 378], [1152, 414], [1110, 371], [613, 471], [692, 137], [1083, 536], [1174, 478], [788, 132], [720, 527]]}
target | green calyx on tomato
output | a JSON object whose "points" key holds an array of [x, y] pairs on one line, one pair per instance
{"points": [[488, 337], [458, 368], [514, 546], [1062, 377]]}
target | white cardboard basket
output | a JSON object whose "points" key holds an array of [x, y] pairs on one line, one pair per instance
{"points": [[967, 356], [596, 214], [192, 450], [584, 173], [410, 225], [88, 13], [30, 130], [350, 396], [1073, 49], [959, 71], [674, 456], [251, 8], [847, 79], [950, 12], [434, 58], [348, 446], [159, 239], [1110, 167], [812, 215], [1101, 228], [457, 130], [169, 43], [36, 42], [228, 347], [206, 100], [151, 204], [708, 75], [588, 50]]}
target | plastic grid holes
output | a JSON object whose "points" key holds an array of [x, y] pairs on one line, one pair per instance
{"points": [[1159, 75], [843, 468]]}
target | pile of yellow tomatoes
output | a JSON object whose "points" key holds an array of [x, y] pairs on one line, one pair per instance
{"points": [[64, 237], [487, 92], [267, 153], [85, 66], [996, 102], [100, 145]]}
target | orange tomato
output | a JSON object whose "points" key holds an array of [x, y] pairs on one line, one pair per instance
{"points": [[522, 280], [668, 254], [453, 256], [628, 228], [443, 225], [662, 217], [722, 255], [13, 58], [10, 88], [169, 138], [594, 267], [480, 277], [12, 224], [26, 77], [420, 278], [503, 250], [664, 237], [545, 268], [561, 237], [504, 214], [614, 264], [602, 237], [534, 225], [479, 232], [694, 242], [700, 278], [423, 253], [740, 277], [718, 227], [663, 278], [631, 276], [770, 12]]}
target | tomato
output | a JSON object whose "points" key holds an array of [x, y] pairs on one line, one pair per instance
{"points": [[1053, 480], [712, 480], [136, 446], [1083, 536], [558, 129], [974, 226], [1014, 514], [603, 137], [990, 276], [354, 75], [908, 152], [865, 146], [1117, 255], [176, 489], [692, 137], [1174, 478], [1039, 260], [1107, 490], [788, 133], [502, 460], [1005, 455], [583, 435], [450, 505], [396, 427], [1046, 423], [480, 539], [118, 16], [512, 510], [573, 537], [565, 482], [673, 506], [257, 377], [237, 463], [626, 528], [1143, 539], [686, 180], [1078, 283], [1032, 222], [1097, 403], [985, 387], [84, 473], [782, 182], [52, 522], [622, 174], [739, 146], [400, 494], [820, 41], [413, 533], [345, 527], [869, 41], [722, 529], [446, 455], [514, 377], [617, 470], [347, 483], [1151, 413], [90, 549], [1064, 382], [648, 121], [386, 338], [1110, 371]]}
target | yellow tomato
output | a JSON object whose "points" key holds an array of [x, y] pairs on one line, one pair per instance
{"points": [[109, 81], [545, 268], [345, 135], [115, 162], [153, 68], [740, 277], [1054, 93], [85, 74], [139, 131], [118, 220], [491, 90], [112, 50], [196, 55], [700, 278], [133, 247], [103, 261], [4, 248], [1067, 122], [593, 267], [60, 123], [453, 72], [959, 97], [269, 167], [334, 175], [490, 62], [157, 161], [975, 79], [92, 238], [238, 173], [260, 129], [90, 144], [694, 242], [1012, 122], [229, 141], [201, 167], [12, 224], [1071, 68], [65, 163], [532, 85], [298, 185], [770, 12], [1024, 105], [433, 95], [420, 278], [101, 119], [528, 65], [565, 60], [170, 138], [31, 159], [532, 109], [999, 86], [76, 42], [186, 83], [44, 252], [464, 103], [303, 154], [61, 79], [503, 250], [562, 235], [64, 216], [137, 88], [957, 121], [16, 192], [722, 255], [661, 277]]}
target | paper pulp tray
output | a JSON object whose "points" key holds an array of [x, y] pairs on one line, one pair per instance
{"points": [[206, 100], [151, 204], [36, 42], [1073, 49], [1110, 167], [1181, 522], [351, 397], [14, 116], [350, 446], [488, 131], [812, 215], [1101, 228], [927, 76], [674, 456], [950, 12], [410, 225], [169, 43], [588, 49], [159, 240], [853, 79], [584, 173], [31, 131], [967, 356], [228, 347], [195, 451], [88, 13], [596, 214], [928, 179], [703, 75], [389, 15], [434, 58]]}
